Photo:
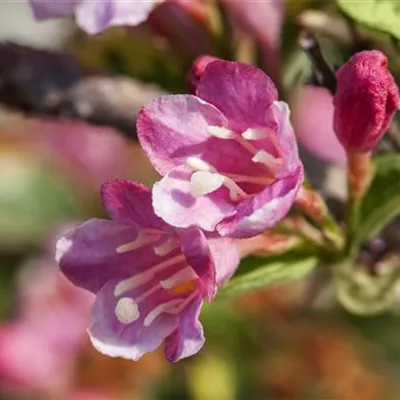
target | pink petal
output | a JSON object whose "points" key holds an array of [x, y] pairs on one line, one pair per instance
{"points": [[130, 202], [173, 127], [226, 258], [53, 9], [264, 210], [315, 129], [241, 92], [88, 256], [286, 138], [173, 202], [197, 253], [129, 341], [188, 339], [96, 16]]}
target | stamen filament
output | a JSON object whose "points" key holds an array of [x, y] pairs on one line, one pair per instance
{"points": [[145, 276], [166, 247], [179, 307], [141, 240], [157, 311], [250, 179]]}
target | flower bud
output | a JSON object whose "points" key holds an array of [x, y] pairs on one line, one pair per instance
{"points": [[198, 68], [366, 100]]}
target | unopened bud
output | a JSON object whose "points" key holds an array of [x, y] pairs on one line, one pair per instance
{"points": [[366, 100], [198, 68]]}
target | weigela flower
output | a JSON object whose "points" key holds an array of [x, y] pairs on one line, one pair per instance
{"points": [[228, 154], [37, 351], [366, 100], [262, 20], [314, 130], [94, 16], [150, 279]]}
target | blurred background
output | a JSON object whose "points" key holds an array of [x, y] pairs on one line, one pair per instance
{"points": [[267, 345]]}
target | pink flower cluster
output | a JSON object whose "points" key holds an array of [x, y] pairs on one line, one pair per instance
{"points": [[231, 169]]}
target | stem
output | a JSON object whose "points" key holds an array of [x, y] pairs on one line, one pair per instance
{"points": [[309, 44], [359, 176], [315, 207]]}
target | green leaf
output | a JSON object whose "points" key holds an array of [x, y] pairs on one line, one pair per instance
{"points": [[286, 268], [381, 15], [381, 204]]}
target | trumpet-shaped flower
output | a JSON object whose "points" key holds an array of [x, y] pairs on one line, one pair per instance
{"points": [[228, 154], [94, 16], [150, 279]]}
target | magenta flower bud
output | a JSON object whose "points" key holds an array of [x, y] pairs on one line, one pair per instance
{"points": [[198, 68], [366, 100]]}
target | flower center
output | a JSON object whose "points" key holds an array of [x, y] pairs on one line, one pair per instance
{"points": [[182, 282], [206, 179]]}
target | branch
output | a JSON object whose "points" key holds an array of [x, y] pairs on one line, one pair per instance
{"points": [[47, 84], [309, 44]]}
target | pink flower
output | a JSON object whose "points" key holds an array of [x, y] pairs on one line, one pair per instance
{"points": [[150, 279], [228, 154], [38, 348], [312, 116], [94, 16], [366, 100], [262, 20]]}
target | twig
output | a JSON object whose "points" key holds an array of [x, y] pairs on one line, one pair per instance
{"points": [[309, 44], [47, 84]]}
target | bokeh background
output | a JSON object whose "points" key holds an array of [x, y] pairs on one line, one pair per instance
{"points": [[270, 344]]}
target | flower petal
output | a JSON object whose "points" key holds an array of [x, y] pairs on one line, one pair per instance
{"points": [[315, 130], [286, 139], [188, 339], [130, 202], [197, 253], [127, 340], [226, 258], [96, 16], [262, 211], [174, 203], [88, 256], [173, 127], [241, 92], [53, 9]]}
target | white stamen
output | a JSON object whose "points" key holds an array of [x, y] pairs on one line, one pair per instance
{"points": [[250, 179], [235, 192], [145, 277], [179, 307], [246, 144], [152, 315], [204, 182], [256, 134], [262, 157], [198, 164], [166, 247], [141, 240], [185, 275], [220, 132], [148, 293], [127, 311]]}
